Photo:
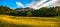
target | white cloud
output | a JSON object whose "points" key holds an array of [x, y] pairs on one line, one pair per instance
{"points": [[20, 4], [31, 4], [41, 3], [57, 3], [49, 4], [35, 4]]}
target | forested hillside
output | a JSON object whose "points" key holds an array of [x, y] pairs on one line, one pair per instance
{"points": [[44, 11]]}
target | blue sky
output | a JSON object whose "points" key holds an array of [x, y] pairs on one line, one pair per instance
{"points": [[12, 3]]}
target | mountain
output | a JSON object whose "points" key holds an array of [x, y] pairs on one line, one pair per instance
{"points": [[25, 9]]}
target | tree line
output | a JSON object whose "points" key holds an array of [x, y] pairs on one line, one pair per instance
{"points": [[42, 12]]}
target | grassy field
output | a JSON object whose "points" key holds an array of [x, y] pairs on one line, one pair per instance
{"points": [[15, 21]]}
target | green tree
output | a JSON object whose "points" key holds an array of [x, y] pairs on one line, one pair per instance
{"points": [[43, 11], [29, 13], [5, 10]]}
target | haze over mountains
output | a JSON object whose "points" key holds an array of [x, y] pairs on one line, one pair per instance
{"points": [[25, 9]]}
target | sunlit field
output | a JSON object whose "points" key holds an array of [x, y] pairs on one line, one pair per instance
{"points": [[17, 21]]}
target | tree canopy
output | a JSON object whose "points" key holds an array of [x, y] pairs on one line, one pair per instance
{"points": [[44, 11]]}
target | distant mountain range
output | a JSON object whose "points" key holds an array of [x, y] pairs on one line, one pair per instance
{"points": [[25, 9]]}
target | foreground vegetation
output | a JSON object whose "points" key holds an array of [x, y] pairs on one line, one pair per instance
{"points": [[15, 21]]}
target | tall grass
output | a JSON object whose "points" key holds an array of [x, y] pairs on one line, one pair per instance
{"points": [[37, 19]]}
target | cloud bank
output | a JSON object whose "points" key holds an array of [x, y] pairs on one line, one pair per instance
{"points": [[40, 3]]}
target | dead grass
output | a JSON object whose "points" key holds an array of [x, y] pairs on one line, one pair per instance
{"points": [[30, 21]]}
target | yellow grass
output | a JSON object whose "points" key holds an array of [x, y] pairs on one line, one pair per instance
{"points": [[34, 21]]}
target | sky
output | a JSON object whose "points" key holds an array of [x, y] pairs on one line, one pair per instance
{"points": [[36, 4], [12, 3]]}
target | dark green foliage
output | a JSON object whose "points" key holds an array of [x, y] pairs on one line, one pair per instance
{"points": [[5, 10], [29, 13], [44, 11]]}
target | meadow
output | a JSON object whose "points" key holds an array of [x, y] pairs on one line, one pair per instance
{"points": [[18, 21]]}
